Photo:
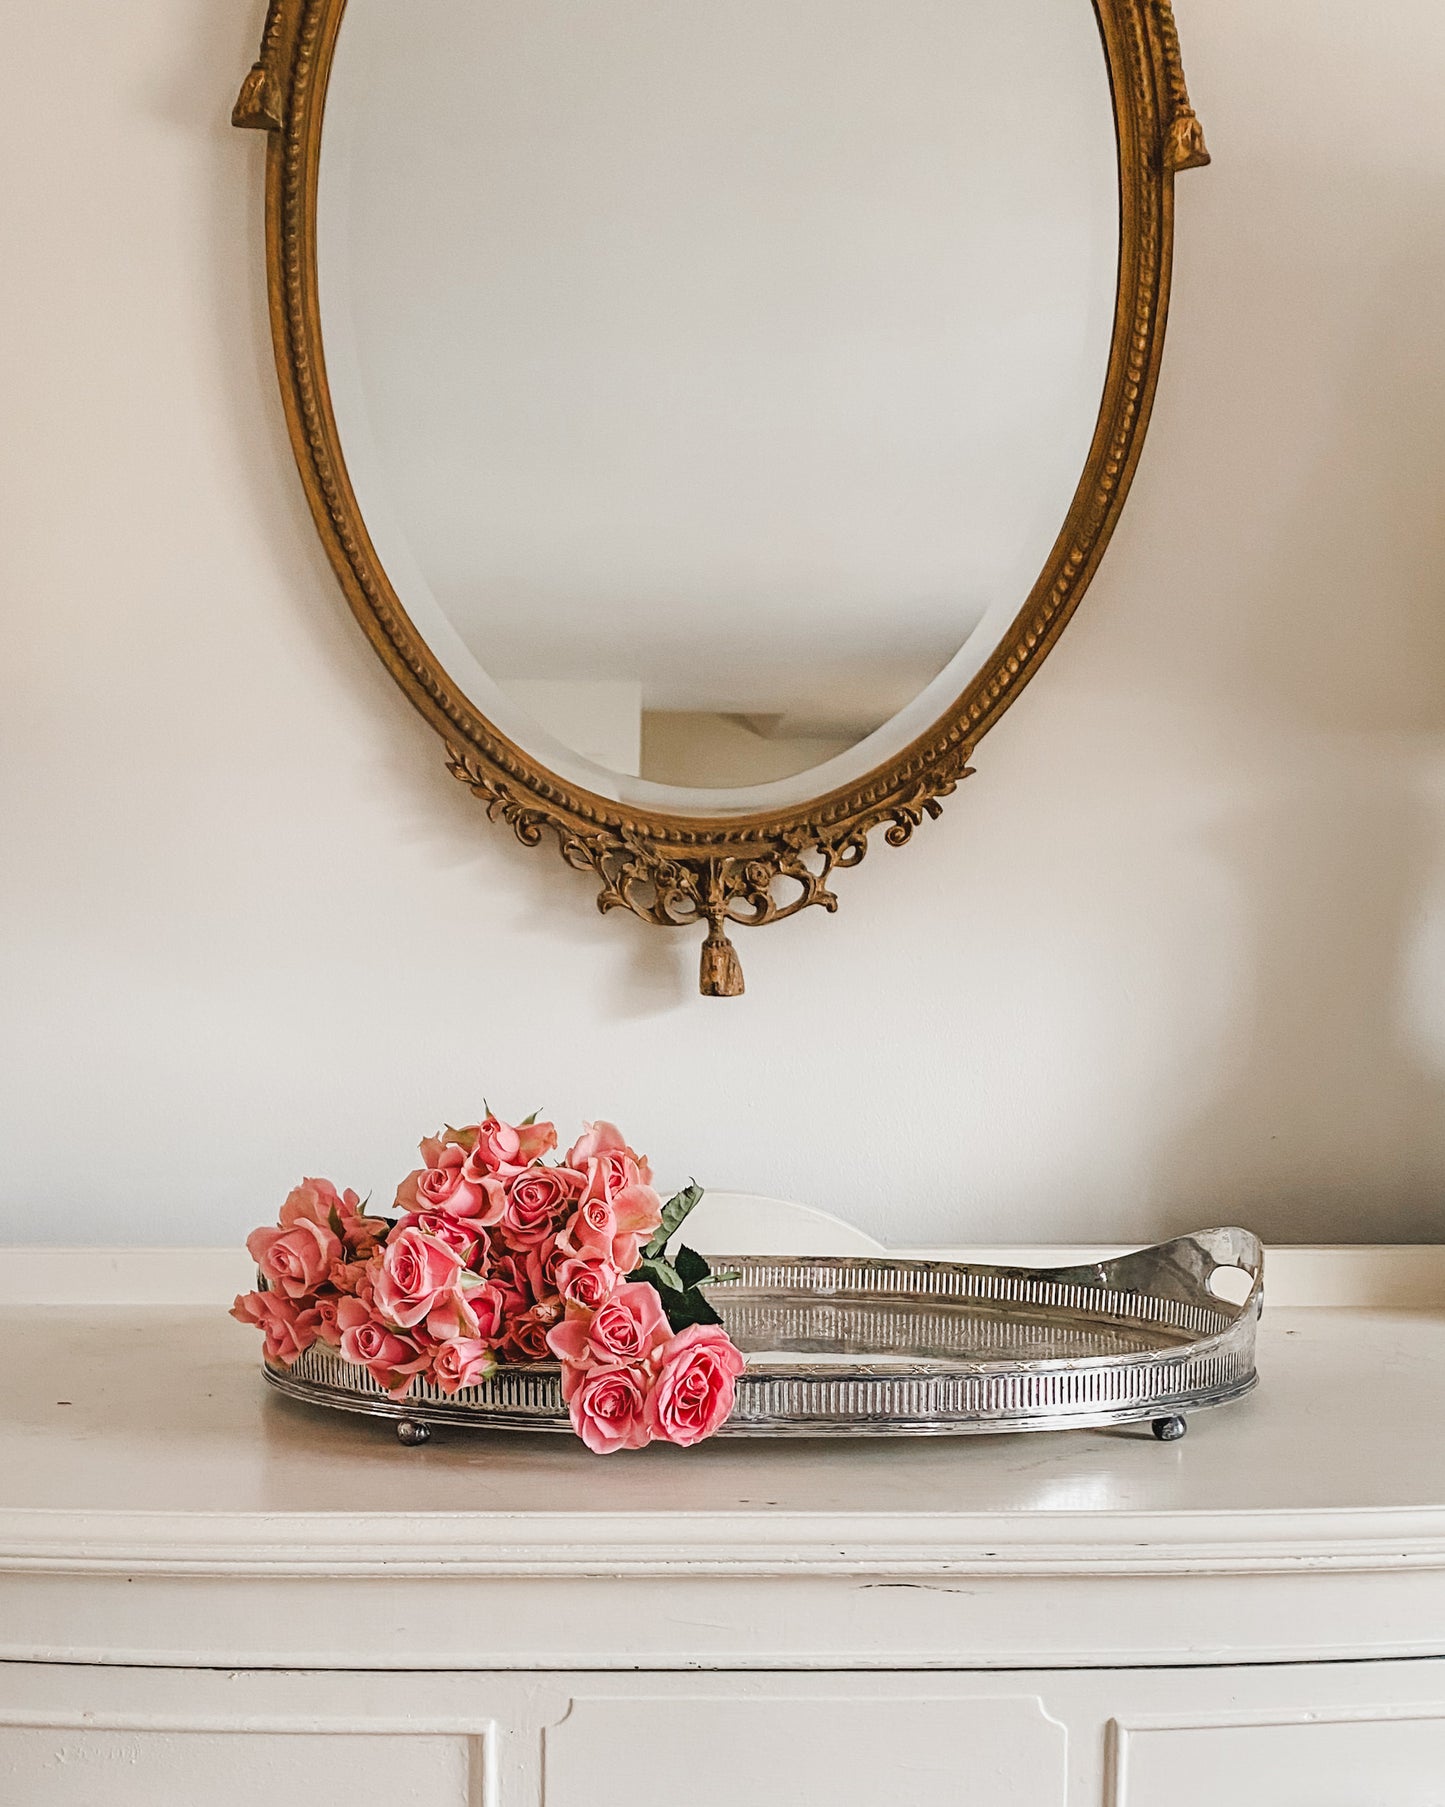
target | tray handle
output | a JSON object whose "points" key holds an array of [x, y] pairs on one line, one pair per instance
{"points": [[1181, 1269]]}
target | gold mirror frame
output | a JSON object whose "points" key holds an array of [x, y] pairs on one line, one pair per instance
{"points": [[676, 870]]}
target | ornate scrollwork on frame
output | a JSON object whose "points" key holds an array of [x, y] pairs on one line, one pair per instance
{"points": [[672, 869]]}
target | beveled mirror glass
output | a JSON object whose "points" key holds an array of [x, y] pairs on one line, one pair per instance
{"points": [[715, 411]]}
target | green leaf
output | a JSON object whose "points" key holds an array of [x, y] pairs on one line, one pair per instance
{"points": [[692, 1268], [674, 1213], [527, 1122], [659, 1273], [686, 1308]]}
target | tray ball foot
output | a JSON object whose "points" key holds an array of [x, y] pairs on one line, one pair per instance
{"points": [[412, 1434], [1170, 1429]]}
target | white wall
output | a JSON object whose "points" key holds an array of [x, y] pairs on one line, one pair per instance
{"points": [[1176, 954]]}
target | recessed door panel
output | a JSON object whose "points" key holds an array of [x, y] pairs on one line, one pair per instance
{"points": [[756, 1744], [53, 1766], [1389, 1761]]}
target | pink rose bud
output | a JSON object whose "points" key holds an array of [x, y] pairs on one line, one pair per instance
{"points": [[605, 1144], [463, 1363], [505, 1149], [328, 1327]]}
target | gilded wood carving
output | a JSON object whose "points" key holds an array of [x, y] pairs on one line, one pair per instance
{"points": [[674, 869]]}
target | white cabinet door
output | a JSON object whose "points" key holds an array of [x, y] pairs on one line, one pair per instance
{"points": [[771, 1741], [73, 1736], [1347, 1760], [73, 1765]]}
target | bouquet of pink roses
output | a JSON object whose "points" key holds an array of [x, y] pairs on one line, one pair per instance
{"points": [[498, 1256]]}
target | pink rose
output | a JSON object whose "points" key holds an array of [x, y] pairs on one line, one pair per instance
{"points": [[609, 1409], [328, 1327], [431, 1146], [600, 1142], [695, 1387], [473, 1311], [536, 1198], [354, 1277], [417, 1276], [463, 1363], [626, 1329], [318, 1201], [452, 1318], [590, 1232], [605, 1175], [622, 1177], [297, 1260], [352, 1314], [587, 1284], [289, 1329], [486, 1305], [391, 1360], [463, 1235], [505, 1149], [443, 1185], [542, 1261], [525, 1338], [614, 1230], [509, 1276], [638, 1210]]}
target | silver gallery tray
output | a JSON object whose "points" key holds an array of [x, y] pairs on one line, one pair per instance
{"points": [[847, 1346]]}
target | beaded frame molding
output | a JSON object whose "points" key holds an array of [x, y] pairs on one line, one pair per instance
{"points": [[670, 869]]}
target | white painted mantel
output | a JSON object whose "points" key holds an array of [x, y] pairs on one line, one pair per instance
{"points": [[193, 1571]]}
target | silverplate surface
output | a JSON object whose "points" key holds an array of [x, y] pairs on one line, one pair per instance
{"points": [[848, 1346]]}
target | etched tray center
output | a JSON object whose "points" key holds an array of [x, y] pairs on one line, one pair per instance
{"points": [[774, 1328]]}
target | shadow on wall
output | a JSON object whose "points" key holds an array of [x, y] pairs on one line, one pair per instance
{"points": [[1330, 1117], [1313, 488]]}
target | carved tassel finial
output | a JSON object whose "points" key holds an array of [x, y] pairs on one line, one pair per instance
{"points": [[722, 973], [261, 105], [256, 105], [1184, 146]]}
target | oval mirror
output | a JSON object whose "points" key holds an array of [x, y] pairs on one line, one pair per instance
{"points": [[715, 412]]}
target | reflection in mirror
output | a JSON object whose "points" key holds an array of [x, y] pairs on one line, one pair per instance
{"points": [[715, 380]]}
